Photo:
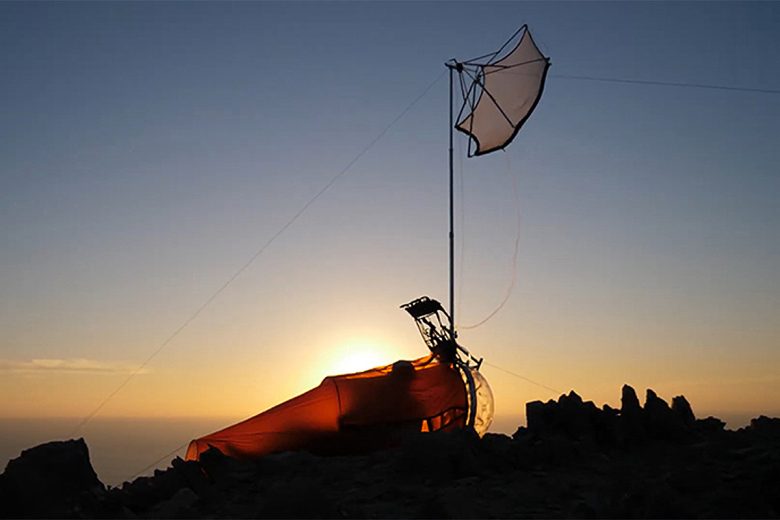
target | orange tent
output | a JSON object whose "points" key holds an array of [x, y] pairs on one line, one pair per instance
{"points": [[350, 413]]}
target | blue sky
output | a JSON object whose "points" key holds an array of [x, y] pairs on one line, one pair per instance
{"points": [[148, 149]]}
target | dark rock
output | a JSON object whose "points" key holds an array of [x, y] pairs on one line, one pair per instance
{"points": [[180, 505], [280, 463], [607, 427], [582, 509], [433, 506], [540, 417], [139, 494], [495, 451], [683, 409], [143, 492], [710, 425], [194, 475], [576, 418], [765, 426], [521, 432], [452, 502], [221, 468], [571, 461], [692, 480], [660, 421], [629, 402], [301, 497], [523, 450], [631, 425], [55, 479], [447, 455], [570, 417], [556, 450], [572, 397]]}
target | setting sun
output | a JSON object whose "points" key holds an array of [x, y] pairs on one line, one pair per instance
{"points": [[358, 356]]}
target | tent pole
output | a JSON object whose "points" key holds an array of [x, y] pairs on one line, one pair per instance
{"points": [[452, 224]]}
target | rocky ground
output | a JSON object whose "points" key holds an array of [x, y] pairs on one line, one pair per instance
{"points": [[573, 460]]}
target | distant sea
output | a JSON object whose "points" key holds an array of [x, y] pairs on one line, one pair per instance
{"points": [[121, 449]]}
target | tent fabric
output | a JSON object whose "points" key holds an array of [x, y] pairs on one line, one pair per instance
{"points": [[510, 90], [352, 412]]}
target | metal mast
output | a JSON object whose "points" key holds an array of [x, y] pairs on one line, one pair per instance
{"points": [[452, 217]]}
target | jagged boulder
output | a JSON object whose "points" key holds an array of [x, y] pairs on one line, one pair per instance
{"points": [[577, 417], [710, 425], [629, 402], [632, 430], [661, 422], [682, 408], [573, 419], [765, 426], [569, 416], [55, 479], [541, 417]]}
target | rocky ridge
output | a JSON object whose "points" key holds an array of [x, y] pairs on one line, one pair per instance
{"points": [[573, 459]]}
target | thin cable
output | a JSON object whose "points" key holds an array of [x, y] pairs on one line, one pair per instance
{"points": [[551, 389], [515, 254], [260, 251], [668, 84]]}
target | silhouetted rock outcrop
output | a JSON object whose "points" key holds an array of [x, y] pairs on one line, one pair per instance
{"points": [[632, 425], [683, 409], [570, 416], [55, 479], [573, 460], [709, 425], [765, 426], [661, 422], [629, 402]]}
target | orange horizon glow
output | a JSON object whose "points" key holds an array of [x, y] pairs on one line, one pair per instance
{"points": [[234, 391]]}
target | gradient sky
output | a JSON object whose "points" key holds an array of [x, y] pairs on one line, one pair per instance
{"points": [[147, 150]]}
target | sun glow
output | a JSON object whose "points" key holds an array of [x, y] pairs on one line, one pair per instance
{"points": [[358, 356]]}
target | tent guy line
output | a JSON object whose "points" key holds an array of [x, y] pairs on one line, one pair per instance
{"points": [[254, 257], [551, 389]]}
